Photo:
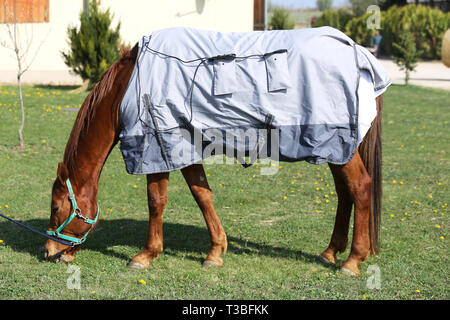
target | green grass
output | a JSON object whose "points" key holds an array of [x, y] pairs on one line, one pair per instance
{"points": [[273, 241]]}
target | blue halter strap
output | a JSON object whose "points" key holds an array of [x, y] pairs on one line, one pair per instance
{"points": [[76, 212]]}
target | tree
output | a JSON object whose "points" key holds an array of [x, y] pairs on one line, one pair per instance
{"points": [[21, 43], [280, 20], [323, 5], [95, 46], [406, 54], [386, 4], [359, 7]]}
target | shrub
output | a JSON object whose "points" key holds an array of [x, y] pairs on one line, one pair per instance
{"points": [[333, 18], [356, 29], [427, 25], [280, 20], [94, 47]]}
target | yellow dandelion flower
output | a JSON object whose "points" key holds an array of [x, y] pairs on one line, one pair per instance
{"points": [[418, 291], [142, 281], [394, 181], [364, 297], [438, 226], [441, 237], [135, 186], [6, 206], [284, 197], [44, 141], [392, 215], [1, 241], [430, 196]]}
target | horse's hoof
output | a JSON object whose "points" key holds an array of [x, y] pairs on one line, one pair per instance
{"points": [[349, 272], [136, 266], [211, 264], [325, 260]]}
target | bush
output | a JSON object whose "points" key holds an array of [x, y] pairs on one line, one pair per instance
{"points": [[280, 20], [427, 25], [94, 47], [356, 29], [333, 18]]}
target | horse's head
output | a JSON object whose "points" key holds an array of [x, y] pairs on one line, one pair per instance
{"points": [[74, 213]]}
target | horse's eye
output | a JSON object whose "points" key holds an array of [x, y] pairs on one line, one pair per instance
{"points": [[55, 209]]}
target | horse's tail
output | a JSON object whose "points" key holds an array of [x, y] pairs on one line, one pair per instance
{"points": [[370, 151]]}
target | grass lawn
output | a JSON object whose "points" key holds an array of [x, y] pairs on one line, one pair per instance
{"points": [[276, 225]]}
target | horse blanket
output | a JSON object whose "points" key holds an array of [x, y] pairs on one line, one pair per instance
{"points": [[285, 95]]}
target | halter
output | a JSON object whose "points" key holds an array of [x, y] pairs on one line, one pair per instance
{"points": [[75, 213]]}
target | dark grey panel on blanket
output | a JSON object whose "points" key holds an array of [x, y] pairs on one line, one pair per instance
{"points": [[185, 146]]}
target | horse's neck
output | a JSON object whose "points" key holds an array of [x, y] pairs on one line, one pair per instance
{"points": [[93, 150], [101, 135]]}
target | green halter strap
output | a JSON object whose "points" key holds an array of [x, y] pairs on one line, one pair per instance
{"points": [[75, 213]]}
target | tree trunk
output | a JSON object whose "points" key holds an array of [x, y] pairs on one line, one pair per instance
{"points": [[22, 124]]}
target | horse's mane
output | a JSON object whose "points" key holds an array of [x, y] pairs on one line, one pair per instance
{"points": [[88, 108]]}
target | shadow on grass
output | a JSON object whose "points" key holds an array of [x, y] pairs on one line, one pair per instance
{"points": [[57, 87], [187, 239]]}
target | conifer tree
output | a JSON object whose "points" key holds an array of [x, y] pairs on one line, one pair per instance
{"points": [[94, 47], [406, 54]]}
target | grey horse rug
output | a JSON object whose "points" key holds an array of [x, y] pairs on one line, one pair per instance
{"points": [[284, 95]]}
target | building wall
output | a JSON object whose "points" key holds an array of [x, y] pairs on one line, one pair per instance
{"points": [[137, 18]]}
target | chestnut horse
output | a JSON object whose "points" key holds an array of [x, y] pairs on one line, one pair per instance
{"points": [[74, 209]]}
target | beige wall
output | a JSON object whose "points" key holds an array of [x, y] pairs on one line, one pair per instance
{"points": [[137, 17]]}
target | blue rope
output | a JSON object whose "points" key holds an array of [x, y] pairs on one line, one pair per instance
{"points": [[38, 232]]}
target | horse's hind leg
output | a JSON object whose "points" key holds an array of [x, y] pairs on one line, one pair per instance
{"points": [[157, 200], [196, 179], [358, 184]]}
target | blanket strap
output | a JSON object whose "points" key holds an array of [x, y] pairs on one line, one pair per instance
{"points": [[149, 106]]}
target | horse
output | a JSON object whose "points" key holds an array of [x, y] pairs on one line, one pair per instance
{"points": [[74, 208]]}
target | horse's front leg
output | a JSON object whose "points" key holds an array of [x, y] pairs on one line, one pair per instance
{"points": [[196, 179], [157, 200]]}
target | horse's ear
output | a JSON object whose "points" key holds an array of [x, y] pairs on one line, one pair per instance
{"points": [[63, 173]]}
